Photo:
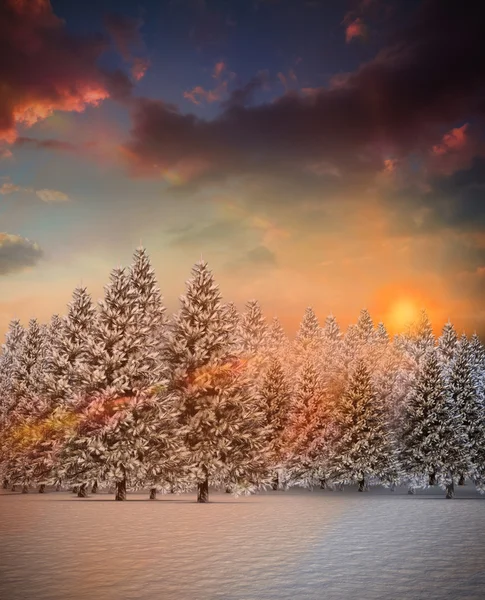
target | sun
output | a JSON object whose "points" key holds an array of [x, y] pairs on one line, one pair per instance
{"points": [[402, 313]]}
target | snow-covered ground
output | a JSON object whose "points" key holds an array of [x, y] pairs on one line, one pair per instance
{"points": [[272, 546]]}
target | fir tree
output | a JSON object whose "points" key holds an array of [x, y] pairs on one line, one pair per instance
{"points": [[468, 407], [430, 442], [447, 347], [275, 399], [381, 334], [234, 321], [254, 330], [309, 330], [221, 422], [420, 340], [149, 321], [277, 338], [310, 429], [364, 452], [331, 330]]}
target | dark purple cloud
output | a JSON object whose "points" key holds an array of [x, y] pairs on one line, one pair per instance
{"points": [[427, 80]]}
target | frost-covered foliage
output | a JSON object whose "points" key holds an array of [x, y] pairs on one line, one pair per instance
{"points": [[222, 421], [275, 397], [121, 395], [432, 449], [363, 451]]}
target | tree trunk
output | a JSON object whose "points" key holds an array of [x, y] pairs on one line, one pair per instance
{"points": [[411, 490], [25, 489], [121, 490], [58, 486], [393, 487], [275, 483], [172, 490], [5, 484], [340, 487], [450, 490], [75, 489], [362, 485], [323, 484], [228, 490], [94, 489], [432, 478], [203, 490], [461, 481], [14, 487], [83, 491], [153, 494], [42, 488]]}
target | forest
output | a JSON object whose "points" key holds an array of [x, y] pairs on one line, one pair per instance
{"points": [[119, 395]]}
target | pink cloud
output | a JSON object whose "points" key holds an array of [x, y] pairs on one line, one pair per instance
{"points": [[199, 94], [48, 67], [355, 29], [219, 68], [456, 151]]}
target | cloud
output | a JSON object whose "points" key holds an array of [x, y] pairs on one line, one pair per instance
{"points": [[354, 30], [426, 80], [52, 196], [47, 68], [126, 34], [46, 195], [50, 68], [219, 68], [198, 94], [259, 258], [49, 144], [17, 253]]}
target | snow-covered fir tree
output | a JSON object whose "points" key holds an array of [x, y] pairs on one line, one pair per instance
{"points": [[431, 448], [234, 321], [469, 409], [275, 397], [381, 334], [331, 330], [221, 421], [358, 341], [254, 329], [67, 356], [419, 340], [119, 359], [447, 347], [277, 338], [11, 350], [364, 452], [149, 322], [309, 331], [310, 429]]}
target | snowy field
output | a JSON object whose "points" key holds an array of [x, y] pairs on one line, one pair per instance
{"points": [[272, 546]]}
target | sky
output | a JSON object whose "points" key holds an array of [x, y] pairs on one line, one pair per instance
{"points": [[324, 153]]}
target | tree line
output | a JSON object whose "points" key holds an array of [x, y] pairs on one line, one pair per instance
{"points": [[121, 395]]}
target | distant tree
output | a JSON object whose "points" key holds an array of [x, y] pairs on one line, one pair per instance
{"points": [[447, 348], [277, 337], [310, 429], [331, 330], [254, 330], [309, 331], [275, 395]]}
